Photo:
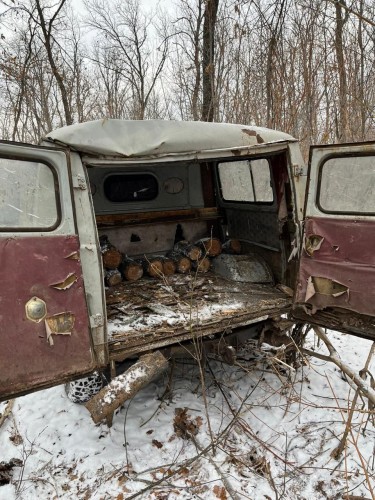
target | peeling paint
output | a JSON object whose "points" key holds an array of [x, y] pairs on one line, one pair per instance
{"points": [[324, 286], [59, 324], [313, 243], [73, 256], [67, 283]]}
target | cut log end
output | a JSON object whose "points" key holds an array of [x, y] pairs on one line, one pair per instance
{"points": [[111, 258], [169, 267], [185, 248], [113, 277], [232, 247], [211, 246], [202, 265]]}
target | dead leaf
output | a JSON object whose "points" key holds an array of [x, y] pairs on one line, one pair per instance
{"points": [[220, 492], [184, 426], [157, 443]]}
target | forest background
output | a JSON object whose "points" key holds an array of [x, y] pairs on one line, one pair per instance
{"points": [[305, 67]]}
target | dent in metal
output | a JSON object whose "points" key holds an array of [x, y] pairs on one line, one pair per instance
{"points": [[67, 283], [153, 138], [313, 243], [36, 309], [324, 286], [59, 324]]}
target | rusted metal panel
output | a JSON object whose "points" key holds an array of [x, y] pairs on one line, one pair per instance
{"points": [[337, 266], [38, 353]]}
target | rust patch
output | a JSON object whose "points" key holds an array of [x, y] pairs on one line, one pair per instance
{"points": [[260, 139], [236, 152], [73, 256], [313, 243], [59, 324], [251, 133], [67, 283], [324, 286]]}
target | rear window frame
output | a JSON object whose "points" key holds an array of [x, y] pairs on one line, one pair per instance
{"points": [[58, 201], [319, 184], [242, 202]]}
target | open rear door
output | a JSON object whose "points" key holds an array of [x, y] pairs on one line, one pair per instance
{"points": [[44, 321], [336, 281]]}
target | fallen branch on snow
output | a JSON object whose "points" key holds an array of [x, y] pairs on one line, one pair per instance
{"points": [[7, 411], [334, 357]]}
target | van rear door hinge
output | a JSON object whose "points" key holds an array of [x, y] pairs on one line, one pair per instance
{"points": [[79, 182], [96, 320], [298, 170]]}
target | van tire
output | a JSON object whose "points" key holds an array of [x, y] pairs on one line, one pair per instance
{"points": [[80, 391]]}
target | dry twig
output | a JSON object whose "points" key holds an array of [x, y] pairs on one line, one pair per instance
{"points": [[334, 357]]}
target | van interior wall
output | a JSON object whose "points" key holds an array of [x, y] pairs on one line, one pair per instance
{"points": [[145, 239], [267, 229]]}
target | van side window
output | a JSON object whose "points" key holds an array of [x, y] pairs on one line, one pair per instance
{"points": [[120, 188], [28, 195], [347, 185], [246, 181]]}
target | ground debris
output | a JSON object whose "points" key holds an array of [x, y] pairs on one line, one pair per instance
{"points": [[185, 426], [6, 470]]}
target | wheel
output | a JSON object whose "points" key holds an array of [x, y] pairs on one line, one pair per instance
{"points": [[80, 391]]}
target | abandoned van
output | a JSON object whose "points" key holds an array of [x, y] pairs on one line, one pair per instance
{"points": [[137, 239]]}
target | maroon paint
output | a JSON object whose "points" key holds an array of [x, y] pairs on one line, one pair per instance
{"points": [[29, 265], [346, 256]]}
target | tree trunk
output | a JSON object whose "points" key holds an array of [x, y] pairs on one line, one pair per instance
{"points": [[48, 46], [208, 60], [342, 129]]}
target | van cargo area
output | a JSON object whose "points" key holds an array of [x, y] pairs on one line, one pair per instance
{"points": [[144, 211]]}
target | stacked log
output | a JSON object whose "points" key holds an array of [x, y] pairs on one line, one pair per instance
{"points": [[169, 266], [112, 277], [130, 269], [110, 255], [202, 265], [232, 247], [192, 252], [182, 263], [152, 266], [211, 246], [184, 257]]}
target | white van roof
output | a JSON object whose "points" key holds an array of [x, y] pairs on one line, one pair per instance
{"points": [[155, 138]]}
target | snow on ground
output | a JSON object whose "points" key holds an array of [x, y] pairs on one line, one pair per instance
{"points": [[269, 436]]}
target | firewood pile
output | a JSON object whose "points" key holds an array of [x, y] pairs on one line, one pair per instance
{"points": [[183, 258]]}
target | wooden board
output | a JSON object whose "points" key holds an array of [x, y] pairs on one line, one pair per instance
{"points": [[153, 313]]}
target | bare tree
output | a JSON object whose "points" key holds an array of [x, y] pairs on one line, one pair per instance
{"points": [[127, 30]]}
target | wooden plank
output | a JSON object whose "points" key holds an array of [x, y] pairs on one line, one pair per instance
{"points": [[157, 216], [185, 306]]}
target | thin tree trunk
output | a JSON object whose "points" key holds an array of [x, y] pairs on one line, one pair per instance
{"points": [[208, 106]]}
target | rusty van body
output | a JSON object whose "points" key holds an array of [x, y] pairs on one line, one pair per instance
{"points": [[306, 238]]}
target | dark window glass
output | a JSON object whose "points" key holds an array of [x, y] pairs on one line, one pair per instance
{"points": [[123, 188]]}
